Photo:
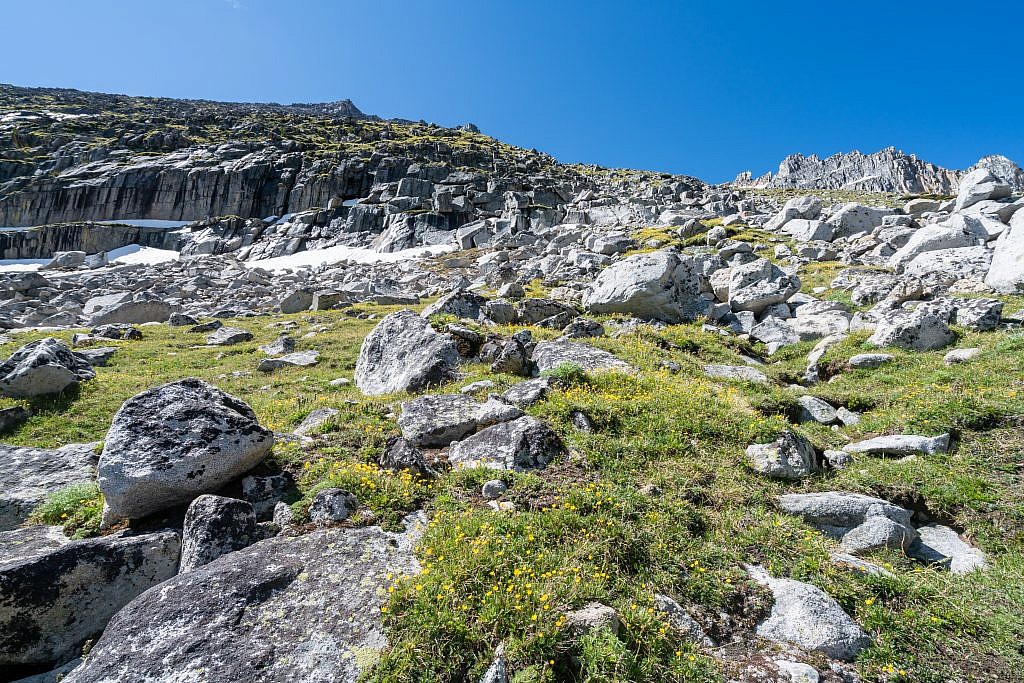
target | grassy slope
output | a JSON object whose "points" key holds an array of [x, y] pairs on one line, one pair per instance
{"points": [[587, 529]]}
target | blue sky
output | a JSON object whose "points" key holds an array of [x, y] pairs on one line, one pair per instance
{"points": [[706, 88]]}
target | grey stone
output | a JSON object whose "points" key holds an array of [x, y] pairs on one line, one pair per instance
{"points": [[681, 621], [280, 346], [296, 301], [399, 454], [941, 545], [915, 331], [900, 445], [403, 353], [28, 475], [656, 286], [868, 361], [331, 506], [437, 420], [549, 355], [790, 456], [493, 489], [132, 312], [215, 526], [979, 185], [589, 618], [805, 616], [525, 394], [55, 597], [223, 621], [299, 359], [742, 373], [957, 356], [813, 409], [524, 443], [315, 418], [171, 443], [759, 284], [42, 368]]}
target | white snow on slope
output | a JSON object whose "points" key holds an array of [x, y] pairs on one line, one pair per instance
{"points": [[131, 254], [333, 255]]}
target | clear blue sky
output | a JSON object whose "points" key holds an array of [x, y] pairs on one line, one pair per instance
{"points": [[706, 88]]}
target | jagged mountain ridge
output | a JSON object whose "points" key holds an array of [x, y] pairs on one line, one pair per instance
{"points": [[888, 170], [67, 155]]}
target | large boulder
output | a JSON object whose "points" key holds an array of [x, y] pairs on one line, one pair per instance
{"points": [[460, 303], [913, 331], [174, 442], [807, 208], [41, 368], [1006, 274], [961, 231], [759, 284], [854, 219], [404, 353], [979, 185], [121, 309], [55, 594], [658, 286], [526, 443], [806, 616], [28, 475], [304, 608]]}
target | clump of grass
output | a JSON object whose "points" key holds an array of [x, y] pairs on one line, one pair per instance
{"points": [[568, 374], [77, 509]]}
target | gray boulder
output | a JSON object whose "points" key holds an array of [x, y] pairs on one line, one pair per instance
{"points": [[315, 418], [759, 284], [403, 353], [790, 456], [296, 301], [1006, 274], [549, 355], [854, 219], [813, 409], [900, 445], [805, 616], [55, 593], [460, 303], [658, 286], [302, 608], [522, 444], [226, 336], [41, 368], [914, 331], [437, 420], [742, 373], [943, 546], [868, 361], [331, 506], [127, 311], [280, 346], [28, 475], [860, 523], [215, 526], [979, 185], [174, 442], [953, 234], [808, 208]]}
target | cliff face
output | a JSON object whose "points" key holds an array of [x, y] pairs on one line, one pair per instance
{"points": [[71, 156], [91, 238], [888, 170]]}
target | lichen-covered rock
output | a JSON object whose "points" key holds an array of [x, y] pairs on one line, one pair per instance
{"points": [[526, 443], [743, 373], [806, 616], [215, 526], [226, 336], [28, 475], [41, 368], [55, 595], [129, 311], [759, 284], [331, 506], [915, 331], [900, 445], [174, 442], [860, 523], [298, 609], [403, 353], [299, 359]]}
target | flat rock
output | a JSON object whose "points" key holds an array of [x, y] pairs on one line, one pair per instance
{"points": [[790, 456], [55, 596], [941, 545], [215, 526], [299, 359], [743, 373], [226, 336], [900, 445], [435, 421], [287, 609], [28, 475]]}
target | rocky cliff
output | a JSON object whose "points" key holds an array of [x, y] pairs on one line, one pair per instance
{"points": [[67, 156], [889, 170]]}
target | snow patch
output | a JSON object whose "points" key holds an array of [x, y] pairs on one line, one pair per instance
{"points": [[147, 223], [333, 255]]}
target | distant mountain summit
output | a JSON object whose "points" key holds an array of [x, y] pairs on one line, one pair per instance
{"points": [[889, 170]]}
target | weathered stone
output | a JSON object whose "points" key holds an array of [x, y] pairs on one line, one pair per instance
{"points": [[222, 622], [225, 336], [215, 526], [403, 353], [743, 373], [314, 420], [900, 445], [41, 368], [54, 598], [525, 443], [805, 616], [790, 456], [656, 286], [331, 506], [299, 359], [549, 355], [759, 284], [172, 443], [28, 475]]}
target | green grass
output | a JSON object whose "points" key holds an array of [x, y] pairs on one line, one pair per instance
{"points": [[77, 509], [658, 499]]}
